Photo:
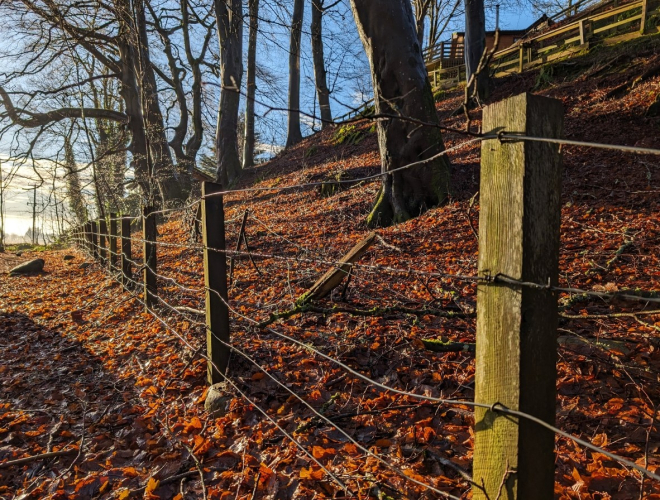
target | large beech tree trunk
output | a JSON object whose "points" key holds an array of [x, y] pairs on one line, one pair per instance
{"points": [[172, 184], [294, 135], [388, 32], [129, 93], [322, 91], [475, 44], [229, 19], [248, 144]]}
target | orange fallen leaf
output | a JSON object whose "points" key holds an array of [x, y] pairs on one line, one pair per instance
{"points": [[152, 485], [351, 449], [315, 475], [319, 452]]}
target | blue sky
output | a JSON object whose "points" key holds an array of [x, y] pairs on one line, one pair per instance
{"points": [[348, 77]]}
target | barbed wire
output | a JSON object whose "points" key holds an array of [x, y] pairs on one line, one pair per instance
{"points": [[169, 328], [485, 279], [495, 407], [316, 413], [512, 136]]}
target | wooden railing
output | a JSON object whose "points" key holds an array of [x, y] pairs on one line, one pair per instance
{"points": [[442, 52], [618, 24], [631, 20]]}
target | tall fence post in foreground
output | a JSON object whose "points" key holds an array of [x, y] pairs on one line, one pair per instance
{"points": [[94, 228], [517, 325], [126, 268], [149, 256], [103, 239], [215, 282], [113, 243]]}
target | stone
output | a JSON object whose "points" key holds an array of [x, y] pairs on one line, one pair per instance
{"points": [[69, 257], [33, 266], [218, 399]]}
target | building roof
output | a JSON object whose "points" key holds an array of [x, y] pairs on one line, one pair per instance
{"points": [[536, 24]]}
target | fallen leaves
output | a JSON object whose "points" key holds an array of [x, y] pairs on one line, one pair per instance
{"points": [[75, 346]]}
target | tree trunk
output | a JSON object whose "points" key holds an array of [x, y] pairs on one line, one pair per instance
{"points": [[74, 191], [387, 30], [248, 144], [322, 91], [173, 185], [475, 44], [420, 31], [294, 135], [229, 19], [129, 93]]}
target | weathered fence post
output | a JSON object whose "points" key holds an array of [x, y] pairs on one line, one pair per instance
{"points": [[113, 243], [88, 238], [126, 267], [215, 282], [645, 10], [103, 238], [95, 239], [149, 256], [517, 325], [583, 38]]}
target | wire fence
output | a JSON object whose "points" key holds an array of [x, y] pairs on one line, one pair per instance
{"points": [[495, 407], [162, 309]]}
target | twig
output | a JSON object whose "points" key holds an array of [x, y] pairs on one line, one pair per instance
{"points": [[247, 249], [256, 483], [200, 469], [241, 234], [190, 310], [610, 315], [506, 475], [43, 456], [469, 215]]}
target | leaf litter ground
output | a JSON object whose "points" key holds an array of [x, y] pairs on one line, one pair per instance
{"points": [[84, 369]]}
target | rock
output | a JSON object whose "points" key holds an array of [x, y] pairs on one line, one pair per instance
{"points": [[217, 400], [33, 266], [69, 257], [18, 254]]}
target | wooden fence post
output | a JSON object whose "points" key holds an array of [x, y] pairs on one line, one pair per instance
{"points": [[103, 239], [149, 255], [521, 59], [95, 239], [582, 35], [88, 237], [645, 10], [215, 282], [126, 267], [113, 243], [517, 326]]}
